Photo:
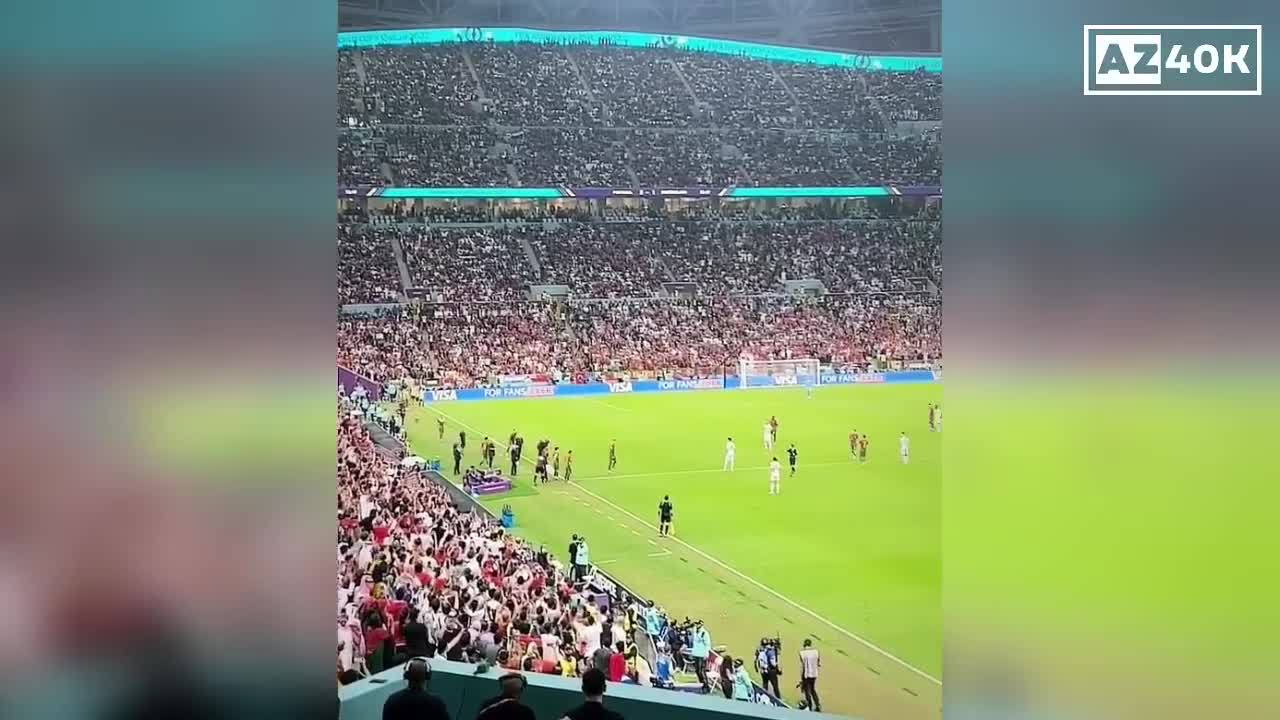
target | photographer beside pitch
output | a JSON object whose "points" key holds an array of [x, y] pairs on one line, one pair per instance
{"points": [[767, 665]]}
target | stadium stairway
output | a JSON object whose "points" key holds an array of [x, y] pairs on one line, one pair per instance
{"points": [[797, 107], [406, 281], [675, 66], [358, 60], [531, 255], [586, 86], [475, 76]]}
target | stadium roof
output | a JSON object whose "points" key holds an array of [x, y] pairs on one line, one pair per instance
{"points": [[888, 26]]}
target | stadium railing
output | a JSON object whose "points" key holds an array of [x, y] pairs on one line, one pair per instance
{"points": [[549, 696]]}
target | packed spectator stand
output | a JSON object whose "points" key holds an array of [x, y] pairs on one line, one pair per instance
{"points": [[418, 575], [480, 114]]}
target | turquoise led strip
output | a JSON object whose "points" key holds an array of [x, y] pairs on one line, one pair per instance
{"points": [[440, 36]]}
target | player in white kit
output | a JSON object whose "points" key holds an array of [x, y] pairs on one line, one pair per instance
{"points": [[768, 436], [904, 448], [775, 476], [729, 450]]}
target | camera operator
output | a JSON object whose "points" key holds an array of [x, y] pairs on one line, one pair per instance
{"points": [[767, 665]]}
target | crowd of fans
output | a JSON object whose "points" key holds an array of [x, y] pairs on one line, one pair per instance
{"points": [[636, 259], [418, 577], [466, 264], [569, 156], [359, 159], [367, 270], [426, 85], [467, 156], [588, 115], [532, 85], [469, 345]]}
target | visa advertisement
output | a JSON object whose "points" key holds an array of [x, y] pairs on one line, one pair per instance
{"points": [[540, 390]]}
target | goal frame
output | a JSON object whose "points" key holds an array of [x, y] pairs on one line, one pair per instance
{"points": [[796, 372]]}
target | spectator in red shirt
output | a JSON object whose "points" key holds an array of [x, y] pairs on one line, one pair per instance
{"points": [[617, 663]]}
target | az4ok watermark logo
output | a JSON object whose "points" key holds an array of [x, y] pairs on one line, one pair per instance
{"points": [[1172, 59]]}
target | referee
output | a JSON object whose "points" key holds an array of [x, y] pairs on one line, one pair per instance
{"points": [[664, 516]]}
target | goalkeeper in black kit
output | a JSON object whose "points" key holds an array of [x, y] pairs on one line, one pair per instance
{"points": [[792, 456], [665, 511]]}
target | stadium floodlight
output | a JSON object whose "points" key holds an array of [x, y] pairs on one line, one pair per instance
{"points": [[803, 372]]}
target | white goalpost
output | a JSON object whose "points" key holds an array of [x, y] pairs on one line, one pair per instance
{"points": [[777, 373]]}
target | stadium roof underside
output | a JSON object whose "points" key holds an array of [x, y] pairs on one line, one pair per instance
{"points": [[887, 26]]}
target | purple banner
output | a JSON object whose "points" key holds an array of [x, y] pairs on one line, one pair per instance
{"points": [[601, 192], [348, 380]]}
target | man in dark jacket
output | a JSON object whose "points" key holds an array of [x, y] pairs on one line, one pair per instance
{"points": [[507, 705], [593, 696], [414, 702]]}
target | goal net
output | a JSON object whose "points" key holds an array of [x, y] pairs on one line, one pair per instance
{"points": [[777, 373]]}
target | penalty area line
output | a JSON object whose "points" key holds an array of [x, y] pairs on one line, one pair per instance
{"points": [[704, 470]]}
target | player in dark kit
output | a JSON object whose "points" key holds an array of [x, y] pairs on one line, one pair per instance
{"points": [[515, 459], [555, 462], [540, 469], [862, 448], [773, 427], [613, 455], [440, 427], [488, 449], [568, 466], [791, 458], [853, 444], [457, 459], [664, 516], [462, 439]]}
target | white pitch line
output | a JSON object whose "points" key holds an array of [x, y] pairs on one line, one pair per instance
{"points": [[606, 562], [851, 635], [609, 516], [653, 543], [704, 470], [771, 591], [664, 553], [610, 405], [635, 532]]}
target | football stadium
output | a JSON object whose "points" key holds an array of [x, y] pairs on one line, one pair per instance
{"points": [[639, 358]]}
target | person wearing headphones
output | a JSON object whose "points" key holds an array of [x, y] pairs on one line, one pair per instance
{"points": [[415, 702], [507, 705], [592, 708]]}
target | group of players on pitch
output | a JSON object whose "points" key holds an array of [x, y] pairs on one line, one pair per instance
{"points": [[857, 447], [549, 458]]}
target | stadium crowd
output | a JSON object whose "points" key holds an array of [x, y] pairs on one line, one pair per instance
{"points": [[470, 345], [366, 266], [417, 576], [588, 115], [636, 259]]}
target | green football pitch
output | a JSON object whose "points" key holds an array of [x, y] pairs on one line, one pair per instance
{"points": [[847, 554]]}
